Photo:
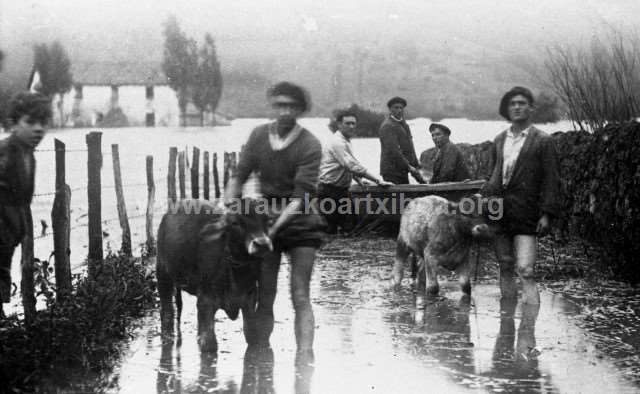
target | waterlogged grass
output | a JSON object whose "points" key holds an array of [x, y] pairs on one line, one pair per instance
{"points": [[84, 334]]}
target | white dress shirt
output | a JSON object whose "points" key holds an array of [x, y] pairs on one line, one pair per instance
{"points": [[512, 146]]}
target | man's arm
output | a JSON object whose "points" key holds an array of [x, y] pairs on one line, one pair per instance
{"points": [[348, 161]]}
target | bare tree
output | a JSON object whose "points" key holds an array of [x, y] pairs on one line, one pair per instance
{"points": [[599, 85]]}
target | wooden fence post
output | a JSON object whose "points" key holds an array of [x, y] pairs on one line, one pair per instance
{"points": [[234, 164], [181, 175], [151, 195], [61, 225], [171, 175], [27, 287], [216, 176], [225, 174], [195, 174], [94, 193], [125, 248], [205, 175]]}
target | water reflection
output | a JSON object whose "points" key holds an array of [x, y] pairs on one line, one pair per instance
{"points": [[257, 376]]}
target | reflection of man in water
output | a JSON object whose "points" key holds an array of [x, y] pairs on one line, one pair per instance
{"points": [[397, 154], [520, 361], [448, 164]]}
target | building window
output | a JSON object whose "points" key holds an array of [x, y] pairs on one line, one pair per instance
{"points": [[149, 92]]}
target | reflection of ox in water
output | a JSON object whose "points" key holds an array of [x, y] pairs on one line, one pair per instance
{"points": [[434, 233], [214, 256]]}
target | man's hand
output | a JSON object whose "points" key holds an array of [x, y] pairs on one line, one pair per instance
{"points": [[383, 183], [543, 228], [416, 174], [272, 232]]}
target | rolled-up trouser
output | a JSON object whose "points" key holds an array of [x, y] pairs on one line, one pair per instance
{"points": [[12, 230]]}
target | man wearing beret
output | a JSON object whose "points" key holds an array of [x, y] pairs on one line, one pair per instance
{"points": [[397, 154], [448, 164], [526, 176]]}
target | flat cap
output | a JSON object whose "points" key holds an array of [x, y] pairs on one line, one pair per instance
{"points": [[396, 100]]}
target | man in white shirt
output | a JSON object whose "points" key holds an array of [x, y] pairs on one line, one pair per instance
{"points": [[338, 167]]}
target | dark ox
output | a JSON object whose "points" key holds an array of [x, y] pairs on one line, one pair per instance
{"points": [[214, 256], [437, 235]]}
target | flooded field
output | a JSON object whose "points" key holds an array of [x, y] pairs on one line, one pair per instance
{"points": [[372, 340]]}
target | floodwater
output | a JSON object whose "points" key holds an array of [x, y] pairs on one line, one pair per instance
{"points": [[136, 143], [370, 339]]}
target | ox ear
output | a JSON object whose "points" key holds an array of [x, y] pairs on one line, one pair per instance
{"points": [[214, 230], [453, 206]]}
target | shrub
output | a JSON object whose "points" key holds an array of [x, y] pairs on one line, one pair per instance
{"points": [[83, 332]]}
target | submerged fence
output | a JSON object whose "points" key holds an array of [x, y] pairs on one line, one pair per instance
{"points": [[61, 207]]}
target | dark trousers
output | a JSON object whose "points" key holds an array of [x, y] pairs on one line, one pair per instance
{"points": [[6, 254], [12, 229], [334, 219]]}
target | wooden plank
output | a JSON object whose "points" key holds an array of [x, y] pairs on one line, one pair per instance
{"points": [[195, 174], [181, 174], [216, 175], [125, 248], [27, 285], [205, 175], [171, 175], [151, 195], [61, 226], [94, 195]]}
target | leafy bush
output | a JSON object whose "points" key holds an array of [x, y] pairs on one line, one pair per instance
{"points": [[368, 121], [83, 332]]}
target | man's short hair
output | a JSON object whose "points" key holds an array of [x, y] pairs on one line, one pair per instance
{"points": [[439, 126], [515, 91], [344, 113], [396, 100], [35, 105], [297, 93]]}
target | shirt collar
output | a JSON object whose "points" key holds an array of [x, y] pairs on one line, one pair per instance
{"points": [[523, 133], [396, 119]]}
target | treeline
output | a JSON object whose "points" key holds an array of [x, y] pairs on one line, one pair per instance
{"points": [[194, 73]]}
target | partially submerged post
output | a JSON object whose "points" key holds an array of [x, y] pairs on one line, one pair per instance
{"points": [[61, 225], [151, 195], [181, 174], [171, 175], [27, 287], [94, 194], [205, 175], [195, 174], [122, 208], [225, 174], [216, 176]]}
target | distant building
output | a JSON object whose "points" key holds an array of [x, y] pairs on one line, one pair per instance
{"points": [[120, 94]]}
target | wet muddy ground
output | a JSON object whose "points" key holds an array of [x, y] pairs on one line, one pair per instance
{"points": [[371, 339]]}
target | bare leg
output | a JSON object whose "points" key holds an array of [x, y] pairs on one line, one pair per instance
{"points": [[504, 252], [302, 259], [525, 248]]}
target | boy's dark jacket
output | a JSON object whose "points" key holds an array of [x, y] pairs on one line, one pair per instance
{"points": [[16, 179], [534, 187]]}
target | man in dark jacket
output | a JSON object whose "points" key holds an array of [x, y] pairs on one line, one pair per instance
{"points": [[29, 113], [526, 176], [397, 154], [448, 165]]}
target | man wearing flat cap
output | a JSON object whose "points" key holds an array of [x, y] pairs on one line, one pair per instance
{"points": [[448, 164], [397, 154], [526, 176]]}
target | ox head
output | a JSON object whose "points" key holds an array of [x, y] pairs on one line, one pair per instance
{"points": [[474, 219], [248, 224]]}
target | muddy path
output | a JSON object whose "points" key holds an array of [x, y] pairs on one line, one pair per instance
{"points": [[370, 339]]}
